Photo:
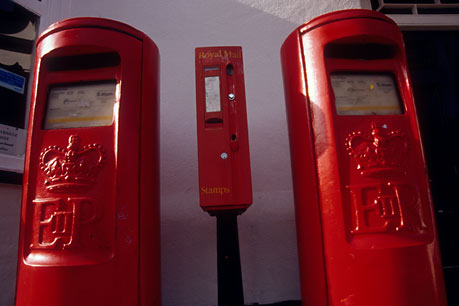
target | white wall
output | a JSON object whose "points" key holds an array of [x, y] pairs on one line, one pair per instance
{"points": [[10, 204], [267, 228]]}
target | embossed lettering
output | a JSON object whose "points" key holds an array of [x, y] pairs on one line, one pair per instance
{"points": [[379, 207], [56, 222]]}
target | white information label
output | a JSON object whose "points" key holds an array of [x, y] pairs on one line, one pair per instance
{"points": [[12, 140], [212, 85], [365, 94], [82, 105]]}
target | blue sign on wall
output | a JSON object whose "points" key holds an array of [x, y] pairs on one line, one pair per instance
{"points": [[12, 81]]}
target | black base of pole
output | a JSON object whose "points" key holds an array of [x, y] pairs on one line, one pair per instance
{"points": [[230, 292]]}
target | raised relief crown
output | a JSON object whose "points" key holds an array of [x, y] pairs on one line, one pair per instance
{"points": [[72, 169], [381, 152]]}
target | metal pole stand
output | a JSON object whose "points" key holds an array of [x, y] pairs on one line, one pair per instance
{"points": [[230, 291]]}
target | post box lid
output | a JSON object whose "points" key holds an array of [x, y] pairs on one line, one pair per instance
{"points": [[341, 15], [91, 22]]}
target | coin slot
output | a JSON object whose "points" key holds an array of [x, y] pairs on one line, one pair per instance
{"points": [[229, 69]]}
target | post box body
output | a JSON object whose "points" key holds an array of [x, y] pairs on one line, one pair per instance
{"points": [[89, 230], [223, 145], [365, 223]]}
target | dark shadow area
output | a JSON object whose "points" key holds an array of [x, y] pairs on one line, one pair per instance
{"points": [[433, 60], [286, 303], [7, 177]]}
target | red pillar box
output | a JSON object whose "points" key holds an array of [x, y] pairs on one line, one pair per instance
{"points": [[90, 209], [366, 231]]}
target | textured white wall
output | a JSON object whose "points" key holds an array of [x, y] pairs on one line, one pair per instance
{"points": [[267, 228]]}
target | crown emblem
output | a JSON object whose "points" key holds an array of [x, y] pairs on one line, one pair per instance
{"points": [[381, 152], [73, 168]]}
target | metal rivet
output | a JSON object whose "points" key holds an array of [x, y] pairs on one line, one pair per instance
{"points": [[231, 96], [224, 155]]}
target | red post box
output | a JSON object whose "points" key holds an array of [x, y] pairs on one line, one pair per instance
{"points": [[223, 144], [366, 230], [90, 209]]}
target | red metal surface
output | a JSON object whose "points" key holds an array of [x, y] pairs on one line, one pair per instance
{"points": [[90, 210], [224, 183], [366, 233]]}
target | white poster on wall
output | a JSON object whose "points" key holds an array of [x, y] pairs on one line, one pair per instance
{"points": [[12, 140]]}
